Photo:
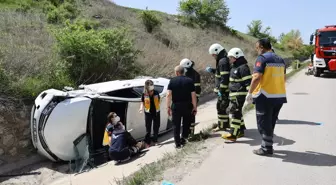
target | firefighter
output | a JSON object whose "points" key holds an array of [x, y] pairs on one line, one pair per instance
{"points": [[222, 73], [240, 80], [190, 72]]}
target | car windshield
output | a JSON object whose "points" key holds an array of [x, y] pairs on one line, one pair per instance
{"points": [[327, 38]]}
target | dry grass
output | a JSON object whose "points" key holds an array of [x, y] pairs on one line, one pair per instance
{"points": [[165, 47], [25, 43]]}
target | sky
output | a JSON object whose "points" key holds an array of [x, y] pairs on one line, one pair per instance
{"points": [[280, 15]]}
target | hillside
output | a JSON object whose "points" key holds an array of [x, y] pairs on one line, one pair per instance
{"points": [[28, 44], [53, 43]]}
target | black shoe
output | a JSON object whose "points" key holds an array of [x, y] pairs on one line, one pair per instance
{"points": [[183, 141], [262, 152], [178, 146]]}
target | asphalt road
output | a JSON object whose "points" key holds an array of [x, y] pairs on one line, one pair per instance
{"points": [[305, 143]]}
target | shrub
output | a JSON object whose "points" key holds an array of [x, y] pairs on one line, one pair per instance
{"points": [[4, 81], [96, 55], [205, 12], [150, 20], [64, 11]]}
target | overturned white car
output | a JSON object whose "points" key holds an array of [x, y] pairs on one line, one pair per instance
{"points": [[61, 119]]}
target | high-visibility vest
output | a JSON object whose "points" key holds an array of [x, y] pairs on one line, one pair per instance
{"points": [[148, 104], [272, 83]]}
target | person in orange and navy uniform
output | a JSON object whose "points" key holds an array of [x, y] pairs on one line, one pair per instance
{"points": [[151, 105], [268, 92]]}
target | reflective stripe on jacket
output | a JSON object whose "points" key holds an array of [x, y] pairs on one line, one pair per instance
{"points": [[240, 78]]}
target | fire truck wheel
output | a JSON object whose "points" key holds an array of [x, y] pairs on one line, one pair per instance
{"points": [[317, 72]]}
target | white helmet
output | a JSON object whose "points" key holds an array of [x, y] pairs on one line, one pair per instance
{"points": [[186, 63], [235, 52], [215, 49]]}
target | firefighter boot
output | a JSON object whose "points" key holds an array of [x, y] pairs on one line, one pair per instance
{"points": [[229, 137]]}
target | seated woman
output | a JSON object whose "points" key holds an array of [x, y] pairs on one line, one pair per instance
{"points": [[122, 145]]}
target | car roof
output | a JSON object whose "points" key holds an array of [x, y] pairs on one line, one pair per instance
{"points": [[109, 86]]}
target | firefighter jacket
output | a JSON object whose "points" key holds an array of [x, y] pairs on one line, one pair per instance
{"points": [[222, 73], [146, 99], [196, 77], [240, 78]]}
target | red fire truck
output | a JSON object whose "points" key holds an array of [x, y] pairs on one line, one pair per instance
{"points": [[324, 57]]}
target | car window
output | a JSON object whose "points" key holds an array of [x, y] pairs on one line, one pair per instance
{"points": [[158, 88], [125, 93], [139, 89]]}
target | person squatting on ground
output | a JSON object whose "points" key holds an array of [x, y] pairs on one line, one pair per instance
{"points": [[122, 145], [268, 92], [240, 80], [181, 104], [151, 104], [222, 73], [196, 77]]}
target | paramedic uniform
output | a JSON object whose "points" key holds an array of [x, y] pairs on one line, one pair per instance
{"points": [[269, 95]]}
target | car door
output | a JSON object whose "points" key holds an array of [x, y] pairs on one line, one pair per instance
{"points": [[135, 121], [164, 124]]}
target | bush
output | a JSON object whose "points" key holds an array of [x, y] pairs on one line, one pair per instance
{"points": [[204, 12], [303, 52], [64, 11], [150, 20], [96, 55], [4, 81]]}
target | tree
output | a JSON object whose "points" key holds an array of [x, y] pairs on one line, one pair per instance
{"points": [[255, 29], [292, 40], [204, 12]]}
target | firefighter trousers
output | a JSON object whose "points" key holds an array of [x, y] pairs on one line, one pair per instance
{"points": [[237, 124], [222, 105], [267, 113]]}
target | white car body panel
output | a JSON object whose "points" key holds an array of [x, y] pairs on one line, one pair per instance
{"points": [[69, 119]]}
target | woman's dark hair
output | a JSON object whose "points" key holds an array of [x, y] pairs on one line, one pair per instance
{"points": [[110, 116], [265, 43]]}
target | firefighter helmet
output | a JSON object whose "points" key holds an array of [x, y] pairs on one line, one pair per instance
{"points": [[235, 52], [215, 49], [186, 63]]}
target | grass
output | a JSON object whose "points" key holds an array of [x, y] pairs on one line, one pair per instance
{"points": [[27, 45], [154, 171]]}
